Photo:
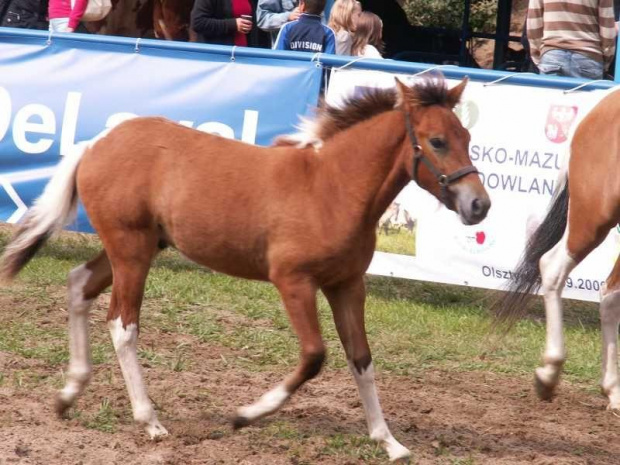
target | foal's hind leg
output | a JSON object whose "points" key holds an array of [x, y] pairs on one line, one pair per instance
{"points": [[299, 297], [86, 282], [131, 259], [347, 302], [610, 319]]}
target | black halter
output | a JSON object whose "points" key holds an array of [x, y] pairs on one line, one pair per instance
{"points": [[418, 155]]}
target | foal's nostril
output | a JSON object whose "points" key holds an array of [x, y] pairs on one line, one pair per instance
{"points": [[477, 207]]}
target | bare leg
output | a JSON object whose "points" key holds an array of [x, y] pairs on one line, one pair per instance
{"points": [[299, 297], [610, 319], [347, 302], [130, 271], [86, 282], [555, 266]]}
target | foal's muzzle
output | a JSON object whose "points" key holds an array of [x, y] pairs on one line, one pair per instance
{"points": [[472, 206]]}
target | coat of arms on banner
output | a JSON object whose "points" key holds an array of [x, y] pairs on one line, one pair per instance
{"points": [[559, 120]]}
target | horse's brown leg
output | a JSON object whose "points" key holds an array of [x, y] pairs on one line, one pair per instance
{"points": [[595, 199], [299, 297], [584, 232], [610, 319], [347, 303], [85, 283], [131, 255]]}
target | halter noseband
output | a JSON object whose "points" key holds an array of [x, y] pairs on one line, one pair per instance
{"points": [[418, 155]]}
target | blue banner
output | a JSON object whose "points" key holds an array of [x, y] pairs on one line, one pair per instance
{"points": [[57, 91]]}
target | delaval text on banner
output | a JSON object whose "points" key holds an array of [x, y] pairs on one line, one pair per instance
{"points": [[520, 139], [53, 96]]}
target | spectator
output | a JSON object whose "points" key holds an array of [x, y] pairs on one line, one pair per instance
{"points": [[65, 17], [576, 38], [271, 15], [27, 14], [224, 22], [307, 34], [367, 36], [342, 19], [258, 37]]}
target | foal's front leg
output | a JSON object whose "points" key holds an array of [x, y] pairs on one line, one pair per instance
{"points": [[123, 316], [347, 303], [299, 297]]}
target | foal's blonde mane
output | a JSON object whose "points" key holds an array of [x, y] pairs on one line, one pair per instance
{"points": [[331, 120]]}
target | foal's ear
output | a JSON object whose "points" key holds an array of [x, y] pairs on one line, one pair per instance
{"points": [[454, 94], [403, 93]]}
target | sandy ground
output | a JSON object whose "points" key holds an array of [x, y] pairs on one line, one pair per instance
{"points": [[451, 418]]}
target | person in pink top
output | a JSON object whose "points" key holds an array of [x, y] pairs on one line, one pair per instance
{"points": [[62, 17]]}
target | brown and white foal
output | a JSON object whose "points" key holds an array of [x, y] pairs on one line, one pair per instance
{"points": [[304, 219]]}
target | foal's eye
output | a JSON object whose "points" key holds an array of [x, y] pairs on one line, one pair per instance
{"points": [[437, 143]]}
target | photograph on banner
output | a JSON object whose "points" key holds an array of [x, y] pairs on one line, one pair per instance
{"points": [[520, 139], [396, 229]]}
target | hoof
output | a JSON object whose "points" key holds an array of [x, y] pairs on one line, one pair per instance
{"points": [[240, 422], [543, 391], [405, 457], [613, 395], [156, 431], [615, 411], [397, 452], [61, 406]]}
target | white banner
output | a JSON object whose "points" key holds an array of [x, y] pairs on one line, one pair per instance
{"points": [[520, 137]]}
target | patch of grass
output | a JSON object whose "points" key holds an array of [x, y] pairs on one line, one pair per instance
{"points": [[29, 341], [105, 420], [180, 361], [398, 241], [282, 430], [460, 461], [18, 379], [26, 378], [49, 344], [150, 356], [413, 326], [358, 447]]}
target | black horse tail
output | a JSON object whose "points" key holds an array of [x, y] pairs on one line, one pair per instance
{"points": [[525, 280]]}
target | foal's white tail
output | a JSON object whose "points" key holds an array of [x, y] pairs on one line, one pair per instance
{"points": [[53, 210]]}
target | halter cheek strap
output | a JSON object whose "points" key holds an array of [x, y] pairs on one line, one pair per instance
{"points": [[418, 156]]}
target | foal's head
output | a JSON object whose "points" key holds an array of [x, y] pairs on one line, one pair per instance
{"points": [[436, 151]]}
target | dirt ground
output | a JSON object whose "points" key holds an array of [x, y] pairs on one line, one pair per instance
{"points": [[444, 418]]}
